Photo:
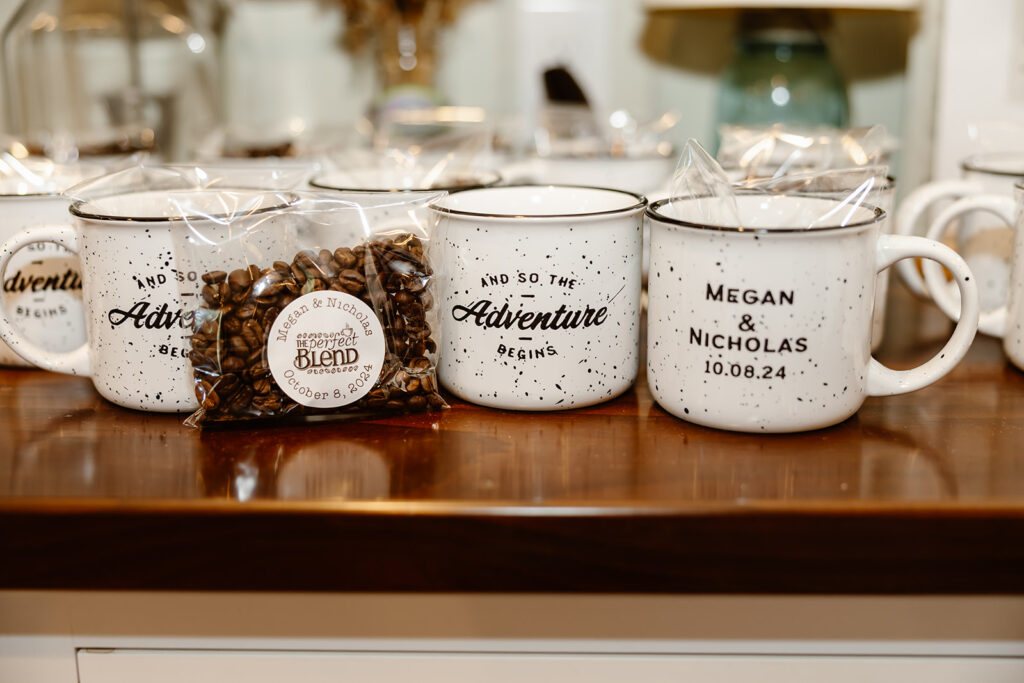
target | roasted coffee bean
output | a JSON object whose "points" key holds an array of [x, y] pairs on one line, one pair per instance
{"points": [[269, 316], [306, 260], [330, 270], [239, 280], [199, 360], [254, 358], [214, 277], [252, 334], [211, 401], [268, 292], [394, 282], [266, 403], [231, 325], [245, 311], [238, 346], [271, 276], [345, 257], [352, 280], [241, 402], [211, 295], [228, 384], [218, 350], [233, 380], [233, 364], [414, 311]]}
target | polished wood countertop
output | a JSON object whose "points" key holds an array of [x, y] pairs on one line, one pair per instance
{"points": [[922, 493]]}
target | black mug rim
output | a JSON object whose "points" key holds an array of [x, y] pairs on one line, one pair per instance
{"points": [[975, 163], [653, 214], [77, 205], [640, 204]]}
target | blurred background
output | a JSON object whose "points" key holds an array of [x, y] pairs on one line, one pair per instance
{"points": [[264, 77]]}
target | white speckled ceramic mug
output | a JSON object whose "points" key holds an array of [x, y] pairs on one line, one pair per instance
{"points": [[984, 244], [540, 304], [767, 328], [1006, 321], [43, 286], [137, 319], [840, 184]]}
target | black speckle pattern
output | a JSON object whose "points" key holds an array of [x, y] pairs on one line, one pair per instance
{"points": [[1013, 341], [547, 369], [144, 368], [831, 276]]}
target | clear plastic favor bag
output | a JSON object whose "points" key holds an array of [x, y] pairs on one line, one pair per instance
{"points": [[764, 152], [701, 179], [323, 306], [300, 304]]}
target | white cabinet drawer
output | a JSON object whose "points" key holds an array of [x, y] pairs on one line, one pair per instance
{"points": [[216, 666]]}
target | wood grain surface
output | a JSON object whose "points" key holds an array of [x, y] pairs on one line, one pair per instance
{"points": [[922, 493]]}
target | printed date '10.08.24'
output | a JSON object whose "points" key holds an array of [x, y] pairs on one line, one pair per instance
{"points": [[745, 371]]}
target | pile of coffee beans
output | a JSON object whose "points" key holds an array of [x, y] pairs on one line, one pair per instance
{"points": [[391, 276]]}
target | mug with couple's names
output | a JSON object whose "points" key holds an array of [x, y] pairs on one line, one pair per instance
{"points": [[766, 326]]}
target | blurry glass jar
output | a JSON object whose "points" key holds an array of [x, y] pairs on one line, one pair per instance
{"points": [[105, 77], [782, 73]]}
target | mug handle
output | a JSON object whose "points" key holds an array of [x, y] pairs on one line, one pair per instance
{"points": [[69, 362], [883, 381], [910, 212], [992, 322]]}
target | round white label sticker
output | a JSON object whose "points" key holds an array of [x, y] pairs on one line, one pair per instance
{"points": [[326, 349]]}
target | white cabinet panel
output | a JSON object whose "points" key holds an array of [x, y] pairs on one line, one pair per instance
{"points": [[152, 666]]}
